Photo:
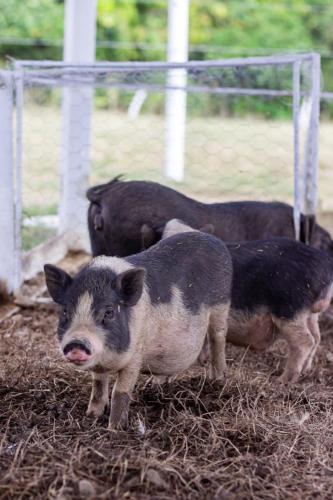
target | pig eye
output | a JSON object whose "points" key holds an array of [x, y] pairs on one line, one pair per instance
{"points": [[109, 313], [64, 313]]}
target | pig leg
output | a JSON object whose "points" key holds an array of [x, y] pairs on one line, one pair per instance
{"points": [[204, 354], [121, 394], [159, 379], [300, 342], [313, 325], [99, 398], [217, 332]]}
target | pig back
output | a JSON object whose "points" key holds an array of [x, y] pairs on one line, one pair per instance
{"points": [[257, 220], [197, 264], [120, 210], [279, 275], [117, 214]]}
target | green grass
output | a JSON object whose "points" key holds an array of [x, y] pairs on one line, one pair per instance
{"points": [[45, 209], [33, 236], [225, 158]]}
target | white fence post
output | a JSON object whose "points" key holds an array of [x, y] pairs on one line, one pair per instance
{"points": [[18, 173], [8, 255], [175, 109], [296, 129], [311, 140], [79, 47]]}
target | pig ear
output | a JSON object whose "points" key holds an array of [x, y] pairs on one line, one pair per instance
{"points": [[207, 228], [98, 222], [57, 281], [129, 285], [149, 236]]}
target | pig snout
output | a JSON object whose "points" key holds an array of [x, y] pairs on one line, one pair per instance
{"points": [[77, 352]]}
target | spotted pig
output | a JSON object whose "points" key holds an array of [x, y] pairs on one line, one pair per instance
{"points": [[149, 312]]}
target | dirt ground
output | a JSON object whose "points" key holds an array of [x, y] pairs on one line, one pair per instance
{"points": [[193, 439]]}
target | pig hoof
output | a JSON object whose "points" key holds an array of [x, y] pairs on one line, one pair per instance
{"points": [[203, 357], [282, 380], [117, 427], [159, 379], [217, 375], [119, 424], [119, 410], [288, 378], [96, 410], [308, 367]]}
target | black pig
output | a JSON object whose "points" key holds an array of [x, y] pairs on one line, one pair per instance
{"points": [[126, 217], [279, 288]]}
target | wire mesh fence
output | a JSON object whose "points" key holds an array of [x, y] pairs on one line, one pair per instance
{"points": [[80, 123], [41, 147]]}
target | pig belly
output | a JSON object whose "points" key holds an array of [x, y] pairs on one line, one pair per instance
{"points": [[176, 343], [256, 331]]}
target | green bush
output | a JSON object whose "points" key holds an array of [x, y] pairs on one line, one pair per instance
{"points": [[224, 27]]}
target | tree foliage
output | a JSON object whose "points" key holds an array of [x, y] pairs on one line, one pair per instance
{"points": [[137, 29], [237, 25]]}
